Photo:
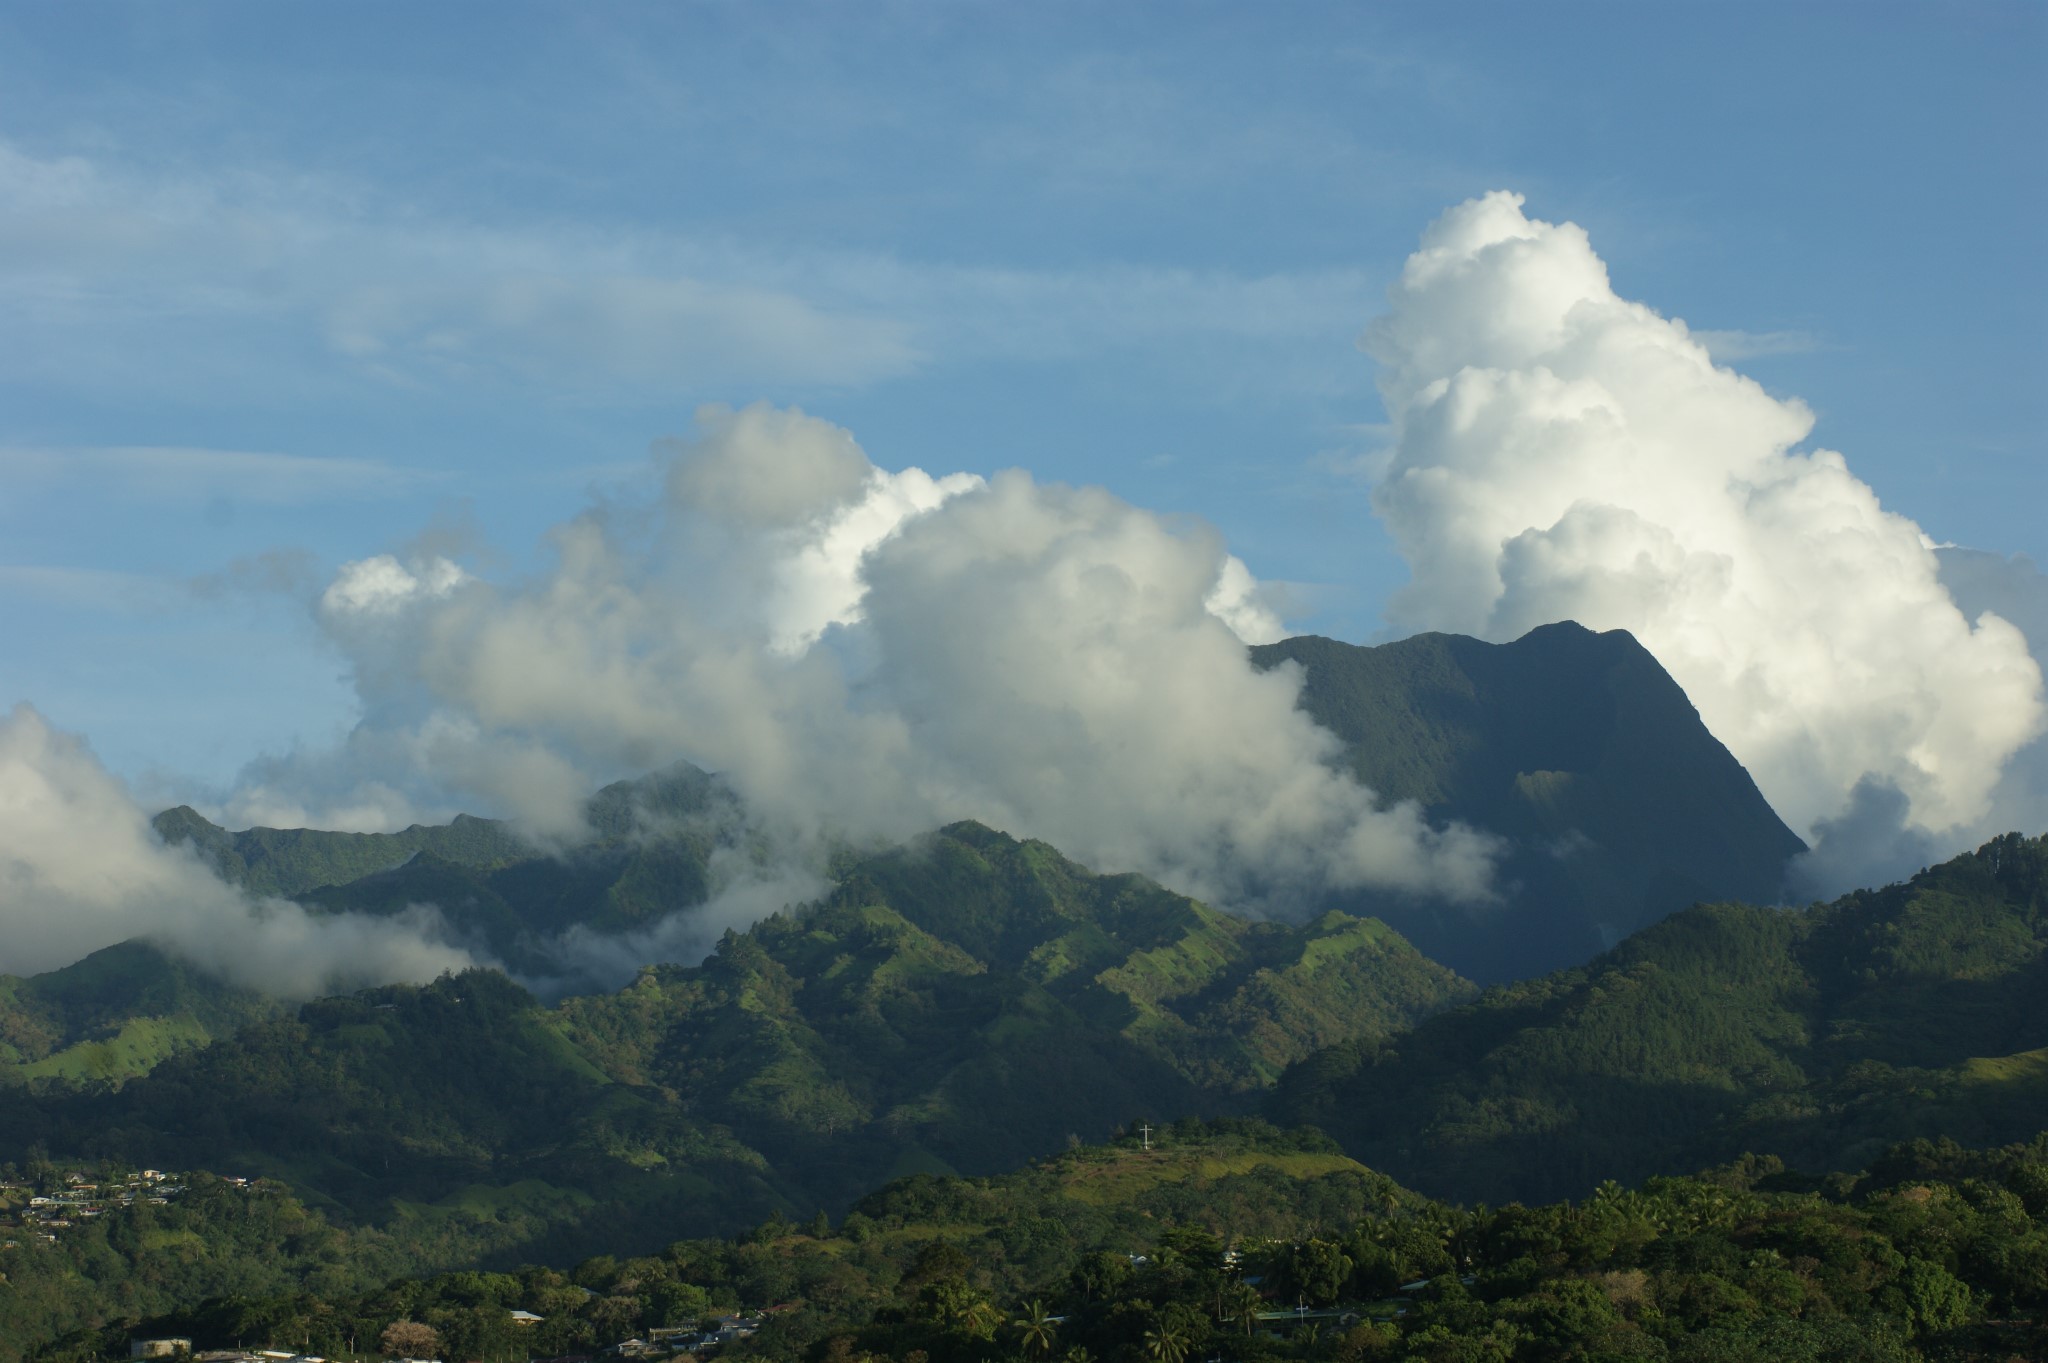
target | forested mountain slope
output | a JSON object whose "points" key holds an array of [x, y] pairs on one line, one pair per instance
{"points": [[458, 1105], [1618, 805], [966, 1002], [115, 1013], [971, 1000], [1816, 1035]]}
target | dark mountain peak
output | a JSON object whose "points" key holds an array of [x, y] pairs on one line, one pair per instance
{"points": [[1580, 750], [626, 809], [184, 822], [975, 833]]}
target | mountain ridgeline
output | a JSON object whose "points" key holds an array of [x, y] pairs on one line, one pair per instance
{"points": [[1617, 806], [1613, 802], [971, 1000], [648, 854]]}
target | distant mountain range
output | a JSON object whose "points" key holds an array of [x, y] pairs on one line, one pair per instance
{"points": [[1615, 805]]}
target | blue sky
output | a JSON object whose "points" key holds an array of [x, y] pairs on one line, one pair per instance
{"points": [[283, 286]]}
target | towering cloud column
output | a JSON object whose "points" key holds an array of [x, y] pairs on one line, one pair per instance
{"points": [[1562, 452]]}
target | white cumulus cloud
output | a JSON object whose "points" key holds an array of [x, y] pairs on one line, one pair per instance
{"points": [[1562, 452], [866, 653], [382, 585]]}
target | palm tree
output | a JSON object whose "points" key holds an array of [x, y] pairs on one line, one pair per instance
{"points": [[1165, 1345], [1035, 1329], [1239, 1301], [981, 1319]]}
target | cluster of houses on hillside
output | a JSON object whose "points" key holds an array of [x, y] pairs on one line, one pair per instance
{"points": [[677, 1341], [659, 1343], [667, 1342], [689, 1339], [180, 1350], [28, 1214]]}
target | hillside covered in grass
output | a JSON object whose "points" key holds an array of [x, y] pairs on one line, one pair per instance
{"points": [[1818, 1035], [115, 1014]]}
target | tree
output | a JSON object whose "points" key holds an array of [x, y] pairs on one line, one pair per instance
{"points": [[1937, 1300], [1240, 1301], [677, 1304], [409, 1339], [1317, 1269], [1101, 1274], [1035, 1329], [1165, 1345]]}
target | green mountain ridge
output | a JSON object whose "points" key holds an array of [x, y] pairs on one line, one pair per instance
{"points": [[963, 1003], [1817, 1035], [973, 1000], [970, 1003]]}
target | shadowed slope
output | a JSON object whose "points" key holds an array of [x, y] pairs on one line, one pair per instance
{"points": [[1577, 748]]}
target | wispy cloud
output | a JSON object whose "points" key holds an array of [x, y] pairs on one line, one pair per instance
{"points": [[1729, 345], [174, 473], [602, 331], [1364, 456], [97, 589], [274, 288]]}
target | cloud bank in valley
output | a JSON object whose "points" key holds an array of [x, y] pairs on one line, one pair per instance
{"points": [[81, 869], [868, 654], [1561, 452]]}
